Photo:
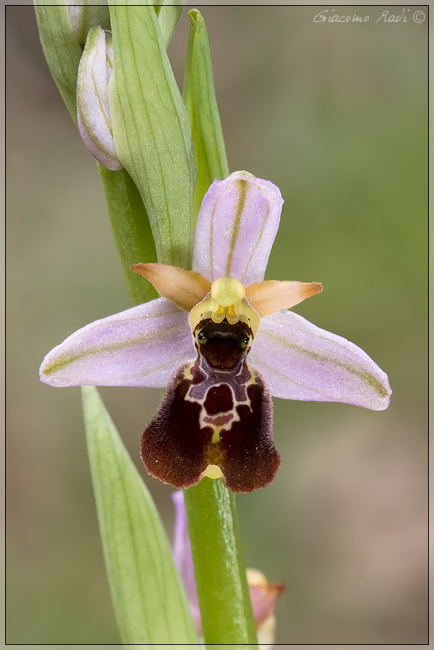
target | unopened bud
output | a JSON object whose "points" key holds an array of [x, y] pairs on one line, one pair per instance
{"points": [[93, 110], [264, 596]]}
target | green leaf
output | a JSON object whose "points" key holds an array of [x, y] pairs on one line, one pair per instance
{"points": [[61, 49], [148, 599], [168, 17], [220, 573], [201, 104], [131, 230], [151, 131]]}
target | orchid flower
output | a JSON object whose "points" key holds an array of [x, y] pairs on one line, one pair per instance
{"points": [[263, 595], [215, 418]]}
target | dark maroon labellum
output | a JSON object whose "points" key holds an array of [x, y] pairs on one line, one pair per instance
{"points": [[216, 411]]}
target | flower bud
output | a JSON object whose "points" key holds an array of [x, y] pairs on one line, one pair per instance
{"points": [[264, 596], [83, 16], [93, 110]]}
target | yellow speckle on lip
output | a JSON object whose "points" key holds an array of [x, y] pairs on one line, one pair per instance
{"points": [[212, 471]]}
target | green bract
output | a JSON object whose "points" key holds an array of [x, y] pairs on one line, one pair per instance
{"points": [[151, 131], [168, 15], [201, 103], [61, 48]]}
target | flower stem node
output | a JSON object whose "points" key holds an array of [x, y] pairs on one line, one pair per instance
{"points": [[222, 342], [93, 110]]}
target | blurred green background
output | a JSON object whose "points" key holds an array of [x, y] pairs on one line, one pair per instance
{"points": [[336, 115]]}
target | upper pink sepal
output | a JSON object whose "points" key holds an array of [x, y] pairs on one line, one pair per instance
{"points": [[236, 227], [304, 362]]}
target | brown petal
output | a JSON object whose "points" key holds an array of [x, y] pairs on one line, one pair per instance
{"points": [[272, 295], [184, 288]]}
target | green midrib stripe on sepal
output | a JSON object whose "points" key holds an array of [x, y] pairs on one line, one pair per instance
{"points": [[149, 602], [243, 189]]}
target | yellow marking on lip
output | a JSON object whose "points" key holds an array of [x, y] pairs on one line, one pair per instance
{"points": [[212, 471], [187, 371]]}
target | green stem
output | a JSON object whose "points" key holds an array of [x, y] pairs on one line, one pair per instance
{"points": [[219, 568], [131, 230]]}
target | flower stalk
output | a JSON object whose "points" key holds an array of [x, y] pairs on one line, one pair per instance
{"points": [[219, 568]]}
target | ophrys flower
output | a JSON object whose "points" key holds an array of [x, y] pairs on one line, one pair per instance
{"points": [[222, 341]]}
